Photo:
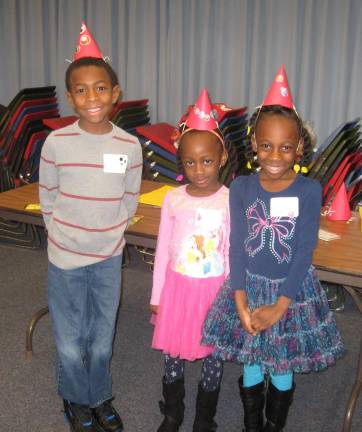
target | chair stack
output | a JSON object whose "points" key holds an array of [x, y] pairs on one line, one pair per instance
{"points": [[22, 132], [130, 114], [233, 125], [159, 153], [339, 159]]}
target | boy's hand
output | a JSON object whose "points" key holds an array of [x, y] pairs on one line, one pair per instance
{"points": [[154, 309], [264, 317]]}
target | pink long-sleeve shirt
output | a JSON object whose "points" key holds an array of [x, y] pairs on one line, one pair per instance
{"points": [[193, 237]]}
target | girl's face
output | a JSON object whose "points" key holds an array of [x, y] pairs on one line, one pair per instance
{"points": [[277, 142], [202, 155]]}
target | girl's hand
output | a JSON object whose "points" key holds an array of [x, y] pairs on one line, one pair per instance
{"points": [[154, 309], [244, 311], [245, 319], [266, 316]]}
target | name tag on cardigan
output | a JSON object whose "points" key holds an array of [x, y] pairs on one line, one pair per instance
{"points": [[284, 207], [115, 163]]}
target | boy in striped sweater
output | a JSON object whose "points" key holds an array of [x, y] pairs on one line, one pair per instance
{"points": [[89, 181]]}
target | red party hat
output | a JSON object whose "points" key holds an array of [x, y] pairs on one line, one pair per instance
{"points": [[201, 116], [86, 45], [339, 209], [279, 92]]}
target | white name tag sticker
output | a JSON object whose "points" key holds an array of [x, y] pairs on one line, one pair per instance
{"points": [[208, 218], [284, 207], [115, 163]]}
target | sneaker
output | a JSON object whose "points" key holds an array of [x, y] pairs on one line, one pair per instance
{"points": [[79, 417], [107, 418]]}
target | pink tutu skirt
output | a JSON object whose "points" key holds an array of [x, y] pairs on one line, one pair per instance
{"points": [[184, 304]]}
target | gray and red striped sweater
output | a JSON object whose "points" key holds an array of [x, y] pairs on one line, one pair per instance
{"points": [[86, 199]]}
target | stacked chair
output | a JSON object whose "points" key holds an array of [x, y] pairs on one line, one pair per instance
{"points": [[159, 153], [22, 132], [339, 159], [59, 122], [22, 135], [130, 114], [233, 125]]}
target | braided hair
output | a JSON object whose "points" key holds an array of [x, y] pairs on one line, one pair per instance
{"points": [[285, 112]]}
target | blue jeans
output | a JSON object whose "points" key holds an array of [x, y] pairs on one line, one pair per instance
{"points": [[83, 304]]}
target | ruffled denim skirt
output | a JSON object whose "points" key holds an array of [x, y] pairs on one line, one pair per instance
{"points": [[306, 339]]}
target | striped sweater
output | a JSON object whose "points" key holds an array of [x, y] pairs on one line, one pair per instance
{"points": [[86, 202]]}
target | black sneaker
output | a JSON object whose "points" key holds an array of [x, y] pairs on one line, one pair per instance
{"points": [[79, 417], [106, 417]]}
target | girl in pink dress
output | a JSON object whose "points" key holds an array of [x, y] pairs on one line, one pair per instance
{"points": [[191, 263]]}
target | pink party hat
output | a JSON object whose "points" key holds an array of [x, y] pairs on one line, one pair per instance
{"points": [[201, 116], [86, 45], [279, 92], [339, 209]]}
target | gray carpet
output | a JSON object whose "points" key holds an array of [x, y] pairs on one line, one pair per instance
{"points": [[28, 397]]}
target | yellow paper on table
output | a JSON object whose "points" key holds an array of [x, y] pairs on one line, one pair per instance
{"points": [[156, 197], [135, 219], [35, 206]]}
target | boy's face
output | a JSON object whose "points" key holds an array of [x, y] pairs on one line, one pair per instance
{"points": [[92, 97]]}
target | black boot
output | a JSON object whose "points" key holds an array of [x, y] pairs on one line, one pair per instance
{"points": [[173, 407], [206, 403], [253, 401], [277, 407]]}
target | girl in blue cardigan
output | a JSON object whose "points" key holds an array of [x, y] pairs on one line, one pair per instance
{"points": [[272, 314]]}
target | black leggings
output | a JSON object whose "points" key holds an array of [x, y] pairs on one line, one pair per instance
{"points": [[211, 372]]}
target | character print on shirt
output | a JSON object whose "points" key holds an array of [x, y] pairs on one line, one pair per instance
{"points": [[262, 227], [201, 255]]}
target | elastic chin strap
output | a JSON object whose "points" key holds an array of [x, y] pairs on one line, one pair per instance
{"points": [[221, 139], [296, 113]]}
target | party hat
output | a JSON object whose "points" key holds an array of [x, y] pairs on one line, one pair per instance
{"points": [[86, 45], [279, 92], [339, 209], [201, 116]]}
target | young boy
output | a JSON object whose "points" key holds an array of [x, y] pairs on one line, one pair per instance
{"points": [[90, 175]]}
